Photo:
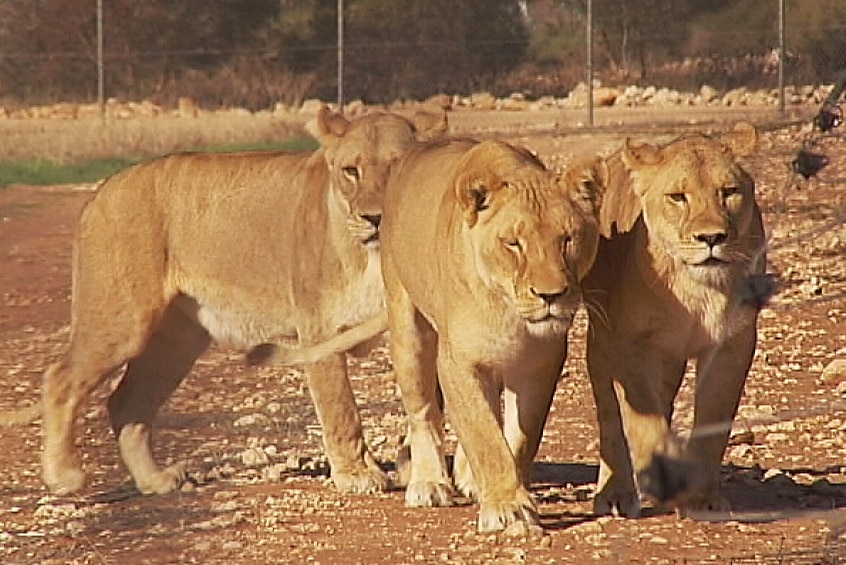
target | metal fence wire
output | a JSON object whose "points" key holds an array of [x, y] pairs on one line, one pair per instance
{"points": [[764, 50]]}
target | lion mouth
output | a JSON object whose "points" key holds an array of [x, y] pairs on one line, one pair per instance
{"points": [[712, 262], [372, 238], [548, 322], [706, 259], [549, 326]]}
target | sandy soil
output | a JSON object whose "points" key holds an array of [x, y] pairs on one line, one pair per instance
{"points": [[250, 439]]}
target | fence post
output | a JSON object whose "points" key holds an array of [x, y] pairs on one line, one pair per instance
{"points": [[341, 56], [101, 88], [589, 33], [781, 56]]}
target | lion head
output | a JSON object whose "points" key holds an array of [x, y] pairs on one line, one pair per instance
{"points": [[696, 201], [359, 167], [533, 232]]}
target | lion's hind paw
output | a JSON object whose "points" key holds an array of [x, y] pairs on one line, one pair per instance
{"points": [[427, 494], [163, 481], [624, 503], [365, 481]]}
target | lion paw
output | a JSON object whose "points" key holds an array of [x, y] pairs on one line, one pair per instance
{"points": [[625, 503], [63, 480], [364, 481], [494, 517], [163, 481], [466, 485], [463, 477], [427, 494], [706, 502]]}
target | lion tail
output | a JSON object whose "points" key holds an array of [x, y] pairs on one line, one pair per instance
{"points": [[272, 353], [21, 416]]}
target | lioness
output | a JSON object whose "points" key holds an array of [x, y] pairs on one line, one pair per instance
{"points": [[240, 248], [682, 234], [483, 251]]}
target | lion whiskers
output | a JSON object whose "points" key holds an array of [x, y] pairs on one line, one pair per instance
{"points": [[596, 308]]}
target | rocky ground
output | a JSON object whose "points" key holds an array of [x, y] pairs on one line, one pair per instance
{"points": [[250, 439]]}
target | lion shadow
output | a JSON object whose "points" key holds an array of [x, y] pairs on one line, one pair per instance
{"points": [[756, 494]]}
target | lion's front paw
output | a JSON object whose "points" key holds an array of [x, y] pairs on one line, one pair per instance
{"points": [[163, 481], [361, 481], [62, 477], [625, 502], [424, 493], [494, 517]]}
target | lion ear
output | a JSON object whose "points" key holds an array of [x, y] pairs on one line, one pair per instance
{"points": [[620, 207], [429, 124], [641, 154], [328, 126], [473, 191], [741, 140], [477, 180], [588, 180]]}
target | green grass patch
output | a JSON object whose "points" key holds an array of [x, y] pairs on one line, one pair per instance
{"points": [[303, 144], [44, 172]]}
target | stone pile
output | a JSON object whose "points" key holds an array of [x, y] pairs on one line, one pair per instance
{"points": [[631, 96]]}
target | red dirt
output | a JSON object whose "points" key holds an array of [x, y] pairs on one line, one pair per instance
{"points": [[786, 480]]}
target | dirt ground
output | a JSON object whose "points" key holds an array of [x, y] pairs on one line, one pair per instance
{"points": [[250, 439]]}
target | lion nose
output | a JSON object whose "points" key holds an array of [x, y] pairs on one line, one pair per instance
{"points": [[549, 297], [711, 239], [373, 219]]}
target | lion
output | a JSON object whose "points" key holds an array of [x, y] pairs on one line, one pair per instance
{"points": [[483, 250], [241, 249], [682, 236]]}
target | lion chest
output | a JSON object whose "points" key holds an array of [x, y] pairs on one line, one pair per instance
{"points": [[362, 294], [682, 322]]}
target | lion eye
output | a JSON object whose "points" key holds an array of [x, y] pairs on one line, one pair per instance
{"points": [[677, 197], [513, 244], [728, 191], [352, 173]]}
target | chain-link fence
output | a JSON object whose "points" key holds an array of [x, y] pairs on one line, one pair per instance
{"points": [[415, 49], [776, 57]]}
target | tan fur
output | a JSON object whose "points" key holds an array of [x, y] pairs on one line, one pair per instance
{"points": [[659, 294], [239, 248], [483, 251]]}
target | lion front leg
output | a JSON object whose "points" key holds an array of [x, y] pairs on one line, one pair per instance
{"points": [[646, 392], [527, 401], [721, 375], [462, 474], [615, 488], [353, 469], [502, 496], [615, 485]]}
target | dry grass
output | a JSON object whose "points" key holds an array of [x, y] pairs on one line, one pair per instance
{"points": [[65, 141]]}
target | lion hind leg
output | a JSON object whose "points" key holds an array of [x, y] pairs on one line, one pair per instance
{"points": [[462, 475], [149, 380], [353, 469], [67, 383], [413, 351]]}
